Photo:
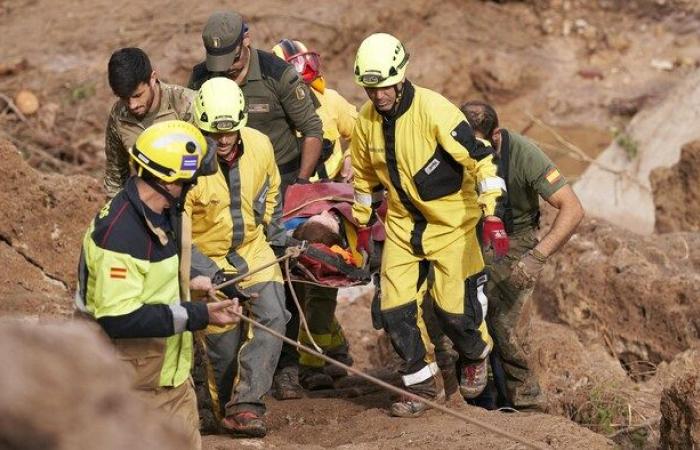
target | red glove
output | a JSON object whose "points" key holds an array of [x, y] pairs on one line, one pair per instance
{"points": [[364, 236], [494, 235]]}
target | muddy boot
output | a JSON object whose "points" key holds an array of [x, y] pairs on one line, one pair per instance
{"points": [[285, 384], [342, 355], [245, 423], [314, 379], [432, 389], [474, 377]]}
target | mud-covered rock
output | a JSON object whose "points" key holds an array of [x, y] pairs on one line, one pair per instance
{"points": [[680, 408], [639, 292], [677, 192], [62, 387]]}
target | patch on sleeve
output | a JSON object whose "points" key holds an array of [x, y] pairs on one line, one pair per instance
{"points": [[259, 108], [300, 92], [552, 175], [117, 272]]}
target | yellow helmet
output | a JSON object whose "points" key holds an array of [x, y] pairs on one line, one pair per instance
{"points": [[219, 106], [172, 150], [381, 61]]}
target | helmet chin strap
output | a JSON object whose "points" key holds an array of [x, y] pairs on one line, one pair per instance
{"points": [[399, 95], [177, 204]]}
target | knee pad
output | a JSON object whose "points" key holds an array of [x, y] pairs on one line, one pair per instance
{"points": [[464, 329], [402, 326]]}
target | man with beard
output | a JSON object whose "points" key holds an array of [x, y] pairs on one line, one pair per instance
{"points": [[281, 107], [279, 103], [143, 101]]}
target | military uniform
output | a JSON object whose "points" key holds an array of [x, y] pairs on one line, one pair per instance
{"points": [[279, 105], [123, 129], [428, 159], [230, 212], [529, 174]]}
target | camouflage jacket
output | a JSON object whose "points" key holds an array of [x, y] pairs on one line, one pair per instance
{"points": [[123, 129]]}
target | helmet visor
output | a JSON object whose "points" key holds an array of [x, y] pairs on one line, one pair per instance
{"points": [[308, 65]]}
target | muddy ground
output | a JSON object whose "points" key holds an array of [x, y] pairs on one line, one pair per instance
{"points": [[618, 313]]}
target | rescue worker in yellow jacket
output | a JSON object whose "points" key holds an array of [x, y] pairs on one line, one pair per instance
{"points": [[128, 273], [338, 117], [419, 146], [231, 212]]}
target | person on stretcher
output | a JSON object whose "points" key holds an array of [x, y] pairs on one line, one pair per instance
{"points": [[321, 215], [325, 228]]}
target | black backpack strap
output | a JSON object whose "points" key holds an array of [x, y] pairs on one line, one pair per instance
{"points": [[503, 172]]}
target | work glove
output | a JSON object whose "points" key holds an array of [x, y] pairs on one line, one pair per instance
{"points": [[364, 237], [301, 180], [231, 291], [493, 234], [527, 270]]}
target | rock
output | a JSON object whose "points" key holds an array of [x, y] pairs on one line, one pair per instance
{"points": [[680, 411], [607, 195], [677, 192], [27, 102], [640, 293], [63, 387]]}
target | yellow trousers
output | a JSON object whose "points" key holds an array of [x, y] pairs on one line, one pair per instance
{"points": [[460, 302]]}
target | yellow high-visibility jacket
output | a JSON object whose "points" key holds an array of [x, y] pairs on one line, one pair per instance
{"points": [[128, 282], [338, 117], [234, 209], [427, 158]]}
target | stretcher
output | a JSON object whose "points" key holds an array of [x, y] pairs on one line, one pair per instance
{"points": [[320, 264]]}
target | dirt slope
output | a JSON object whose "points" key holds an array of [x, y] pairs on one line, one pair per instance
{"points": [[42, 221]]}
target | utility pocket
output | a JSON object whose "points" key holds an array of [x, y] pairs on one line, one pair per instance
{"points": [[145, 359], [440, 176]]}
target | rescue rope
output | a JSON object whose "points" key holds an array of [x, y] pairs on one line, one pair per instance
{"points": [[397, 390], [295, 251], [289, 252], [302, 317]]}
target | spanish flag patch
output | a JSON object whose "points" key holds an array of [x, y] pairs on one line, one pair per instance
{"points": [[553, 175], [117, 272]]}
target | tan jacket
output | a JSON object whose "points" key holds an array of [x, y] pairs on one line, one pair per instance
{"points": [[123, 129]]}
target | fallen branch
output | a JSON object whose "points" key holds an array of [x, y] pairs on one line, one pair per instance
{"points": [[13, 107], [631, 429]]}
